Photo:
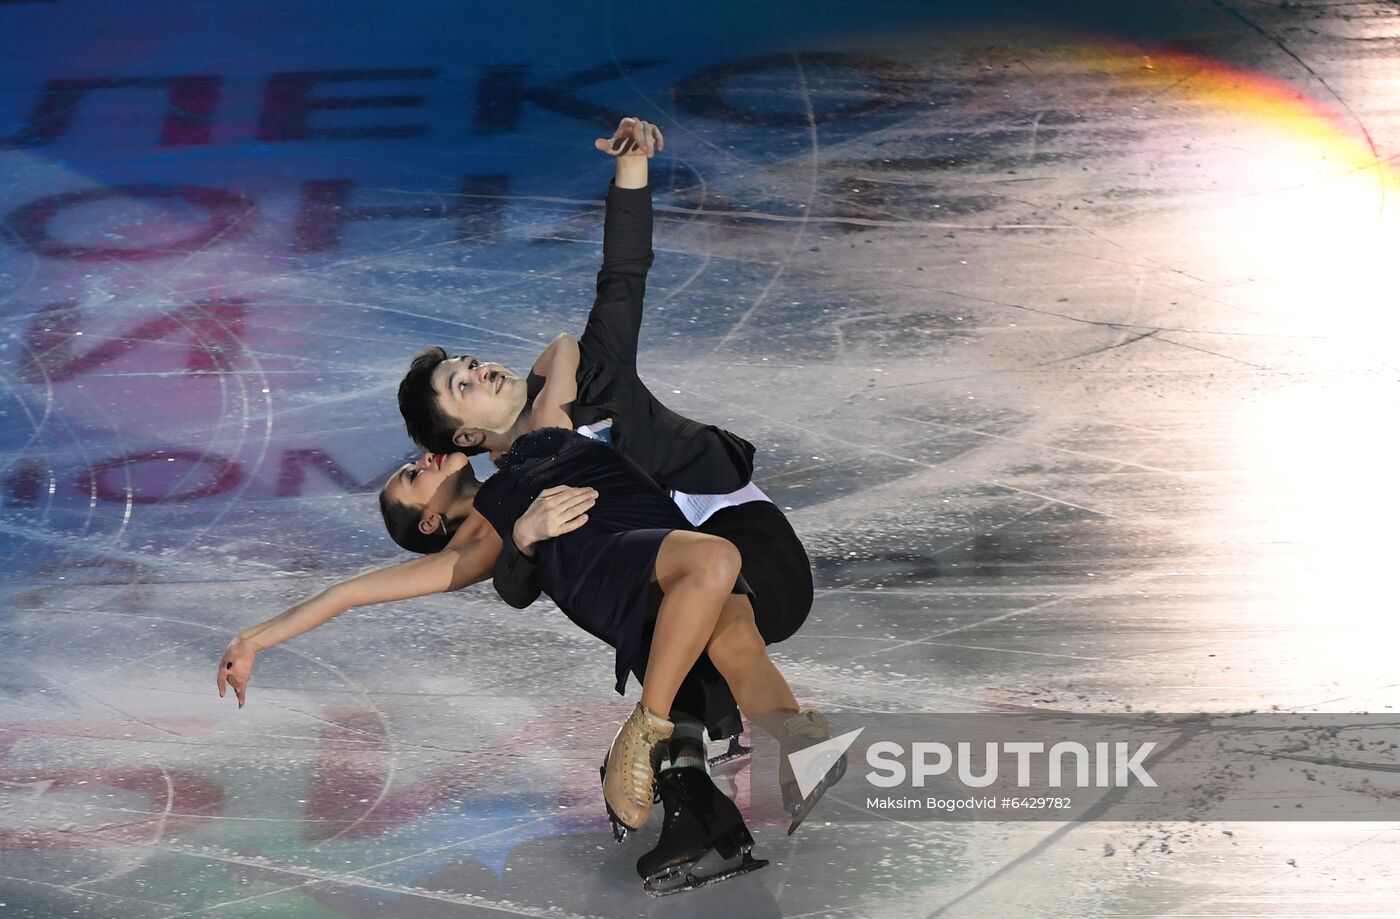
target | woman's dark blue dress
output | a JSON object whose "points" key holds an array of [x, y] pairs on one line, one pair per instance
{"points": [[600, 575]]}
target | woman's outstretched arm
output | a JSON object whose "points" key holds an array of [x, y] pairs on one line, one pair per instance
{"points": [[469, 558], [558, 364]]}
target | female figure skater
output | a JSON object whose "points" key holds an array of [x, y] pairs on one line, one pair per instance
{"points": [[601, 574]]}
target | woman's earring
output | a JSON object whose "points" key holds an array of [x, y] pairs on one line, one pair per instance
{"points": [[443, 521]]}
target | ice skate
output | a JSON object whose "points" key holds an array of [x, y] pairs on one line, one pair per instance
{"points": [[798, 732], [703, 839], [734, 751], [629, 776]]}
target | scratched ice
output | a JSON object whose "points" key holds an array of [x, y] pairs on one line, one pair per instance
{"points": [[1066, 337]]}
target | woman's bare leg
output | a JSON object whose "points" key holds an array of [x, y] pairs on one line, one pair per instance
{"points": [[696, 574], [738, 651], [699, 611]]}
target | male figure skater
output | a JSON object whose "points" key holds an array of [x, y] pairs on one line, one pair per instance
{"points": [[460, 403]]}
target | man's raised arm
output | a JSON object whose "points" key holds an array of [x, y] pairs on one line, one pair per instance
{"points": [[616, 318]]}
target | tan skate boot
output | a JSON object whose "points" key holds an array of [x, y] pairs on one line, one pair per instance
{"points": [[798, 732], [629, 778]]}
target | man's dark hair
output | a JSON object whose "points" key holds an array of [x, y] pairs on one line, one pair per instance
{"points": [[402, 523], [428, 425]]}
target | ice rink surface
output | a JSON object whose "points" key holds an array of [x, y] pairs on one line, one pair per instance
{"points": [[1066, 333]]}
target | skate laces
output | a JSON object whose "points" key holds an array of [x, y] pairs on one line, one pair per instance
{"points": [[640, 750], [677, 787]]}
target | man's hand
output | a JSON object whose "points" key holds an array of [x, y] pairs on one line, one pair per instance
{"points": [[558, 510], [236, 668], [633, 137]]}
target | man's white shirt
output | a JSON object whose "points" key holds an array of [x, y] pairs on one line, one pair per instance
{"points": [[696, 508]]}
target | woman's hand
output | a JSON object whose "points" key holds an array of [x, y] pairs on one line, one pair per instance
{"points": [[236, 668], [558, 510], [633, 137]]}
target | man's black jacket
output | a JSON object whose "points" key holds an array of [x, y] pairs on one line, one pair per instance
{"points": [[680, 454]]}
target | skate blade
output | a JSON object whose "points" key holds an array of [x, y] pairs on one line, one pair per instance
{"points": [[683, 878], [833, 775], [619, 829], [736, 750]]}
